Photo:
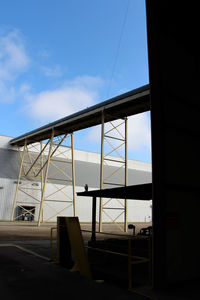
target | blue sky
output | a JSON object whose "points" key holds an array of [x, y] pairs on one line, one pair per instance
{"points": [[60, 56]]}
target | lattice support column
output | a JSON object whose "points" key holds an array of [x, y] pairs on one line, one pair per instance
{"points": [[58, 198], [113, 170], [18, 182], [46, 182], [43, 187], [27, 194]]}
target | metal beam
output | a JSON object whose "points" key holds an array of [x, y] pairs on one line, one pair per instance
{"points": [[131, 103]]}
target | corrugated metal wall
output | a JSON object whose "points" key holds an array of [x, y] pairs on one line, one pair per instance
{"points": [[7, 191]]}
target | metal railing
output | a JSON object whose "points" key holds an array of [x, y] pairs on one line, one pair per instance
{"points": [[132, 259]]}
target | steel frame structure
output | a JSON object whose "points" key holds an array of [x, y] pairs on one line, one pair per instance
{"points": [[115, 135], [42, 164], [35, 170]]}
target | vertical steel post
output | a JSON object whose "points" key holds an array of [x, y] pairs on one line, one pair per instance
{"points": [[126, 172], [45, 178], [129, 265], [18, 181], [73, 174], [101, 171], [93, 237], [42, 178]]}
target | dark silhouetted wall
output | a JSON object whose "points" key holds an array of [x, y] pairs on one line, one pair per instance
{"points": [[174, 70]]}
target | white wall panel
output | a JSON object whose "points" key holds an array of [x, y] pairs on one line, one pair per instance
{"points": [[87, 171]]}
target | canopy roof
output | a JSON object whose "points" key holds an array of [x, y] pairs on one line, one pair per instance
{"points": [[134, 192], [130, 103]]}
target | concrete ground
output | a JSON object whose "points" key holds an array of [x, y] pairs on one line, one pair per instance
{"points": [[37, 239], [26, 271], [25, 276], [30, 230]]}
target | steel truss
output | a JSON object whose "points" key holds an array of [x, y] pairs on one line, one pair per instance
{"points": [[113, 170], [46, 181]]}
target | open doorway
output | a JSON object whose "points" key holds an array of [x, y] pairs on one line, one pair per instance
{"points": [[25, 213]]}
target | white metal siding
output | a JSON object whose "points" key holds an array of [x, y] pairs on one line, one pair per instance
{"points": [[139, 172]]}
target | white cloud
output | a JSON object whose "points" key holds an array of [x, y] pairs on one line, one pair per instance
{"points": [[54, 71], [73, 96], [13, 58], [13, 62], [86, 82], [24, 89], [139, 133], [7, 92], [95, 134]]}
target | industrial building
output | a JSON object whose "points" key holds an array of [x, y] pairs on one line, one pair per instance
{"points": [[174, 72], [87, 171]]}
